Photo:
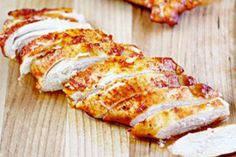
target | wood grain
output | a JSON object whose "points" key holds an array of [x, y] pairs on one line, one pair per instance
{"points": [[41, 124]]}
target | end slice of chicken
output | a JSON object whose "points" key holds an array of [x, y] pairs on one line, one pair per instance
{"points": [[178, 120], [208, 143], [22, 36]]}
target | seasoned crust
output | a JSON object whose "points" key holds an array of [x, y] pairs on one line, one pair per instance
{"points": [[162, 98], [85, 81], [123, 89], [56, 40], [28, 13], [41, 65]]}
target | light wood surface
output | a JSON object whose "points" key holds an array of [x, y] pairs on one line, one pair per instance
{"points": [[41, 124]]}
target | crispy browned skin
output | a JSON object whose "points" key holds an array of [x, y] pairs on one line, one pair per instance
{"points": [[161, 120], [86, 80], [168, 11], [42, 64], [57, 40]]}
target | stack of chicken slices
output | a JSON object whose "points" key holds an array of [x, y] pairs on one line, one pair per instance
{"points": [[111, 81]]}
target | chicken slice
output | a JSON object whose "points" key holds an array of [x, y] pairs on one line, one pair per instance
{"points": [[143, 105], [51, 45], [54, 69], [208, 143], [25, 25], [13, 39], [99, 75], [178, 120], [121, 90]]}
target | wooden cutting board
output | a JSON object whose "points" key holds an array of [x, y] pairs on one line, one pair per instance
{"points": [[41, 124]]}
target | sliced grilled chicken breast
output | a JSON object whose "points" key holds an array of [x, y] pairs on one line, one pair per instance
{"points": [[51, 72], [112, 81], [51, 46], [131, 100], [99, 75], [178, 120], [208, 143]]}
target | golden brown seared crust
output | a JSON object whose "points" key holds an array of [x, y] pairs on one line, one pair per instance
{"points": [[56, 40], [28, 13], [86, 80], [161, 120], [125, 111], [25, 14], [42, 64], [99, 103], [126, 88], [18, 16], [8, 31], [168, 11]]}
